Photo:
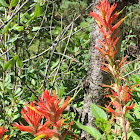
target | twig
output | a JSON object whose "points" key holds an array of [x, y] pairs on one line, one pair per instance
{"points": [[67, 56], [58, 40], [131, 72], [29, 87], [12, 16], [37, 55], [51, 24], [75, 32], [131, 62], [40, 26], [56, 52], [6, 51], [62, 56]]}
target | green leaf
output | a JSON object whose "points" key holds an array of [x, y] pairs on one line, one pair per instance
{"points": [[9, 64], [36, 28], [137, 112], [54, 64], [13, 39], [3, 3], [12, 62], [2, 9], [133, 136], [98, 112], [19, 28], [37, 1], [92, 131], [14, 2], [19, 62], [38, 10], [60, 91], [6, 27], [15, 57], [39, 137], [32, 97], [15, 117], [18, 93], [103, 124], [130, 117]]}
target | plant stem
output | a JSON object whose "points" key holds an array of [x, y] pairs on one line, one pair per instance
{"points": [[3, 98], [124, 127]]}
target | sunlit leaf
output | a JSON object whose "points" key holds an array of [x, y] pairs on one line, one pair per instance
{"points": [[14, 2], [91, 130], [39, 137], [36, 28], [6, 27], [98, 112], [3, 3], [38, 10], [9, 64]]}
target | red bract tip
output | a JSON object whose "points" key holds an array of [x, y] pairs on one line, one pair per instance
{"points": [[2, 131], [50, 108], [101, 50], [130, 107], [106, 28], [114, 93], [97, 16], [32, 118], [109, 109]]}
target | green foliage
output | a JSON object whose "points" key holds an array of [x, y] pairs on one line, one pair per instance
{"points": [[101, 122], [132, 21], [6, 27], [38, 10], [3, 3], [14, 2], [98, 112], [92, 131], [12, 62]]}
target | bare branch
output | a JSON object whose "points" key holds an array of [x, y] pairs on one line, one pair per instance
{"points": [[12, 16], [131, 72], [6, 51], [37, 55]]}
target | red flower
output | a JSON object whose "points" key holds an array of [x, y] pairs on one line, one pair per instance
{"points": [[115, 104], [66, 132], [32, 118], [50, 108], [117, 100], [106, 20], [109, 109], [48, 133], [2, 131], [124, 94], [105, 27], [130, 107]]}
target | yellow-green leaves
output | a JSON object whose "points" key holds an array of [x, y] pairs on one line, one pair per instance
{"points": [[91, 130], [39, 137], [38, 10], [12, 62], [14, 2], [3, 3], [6, 27]]}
